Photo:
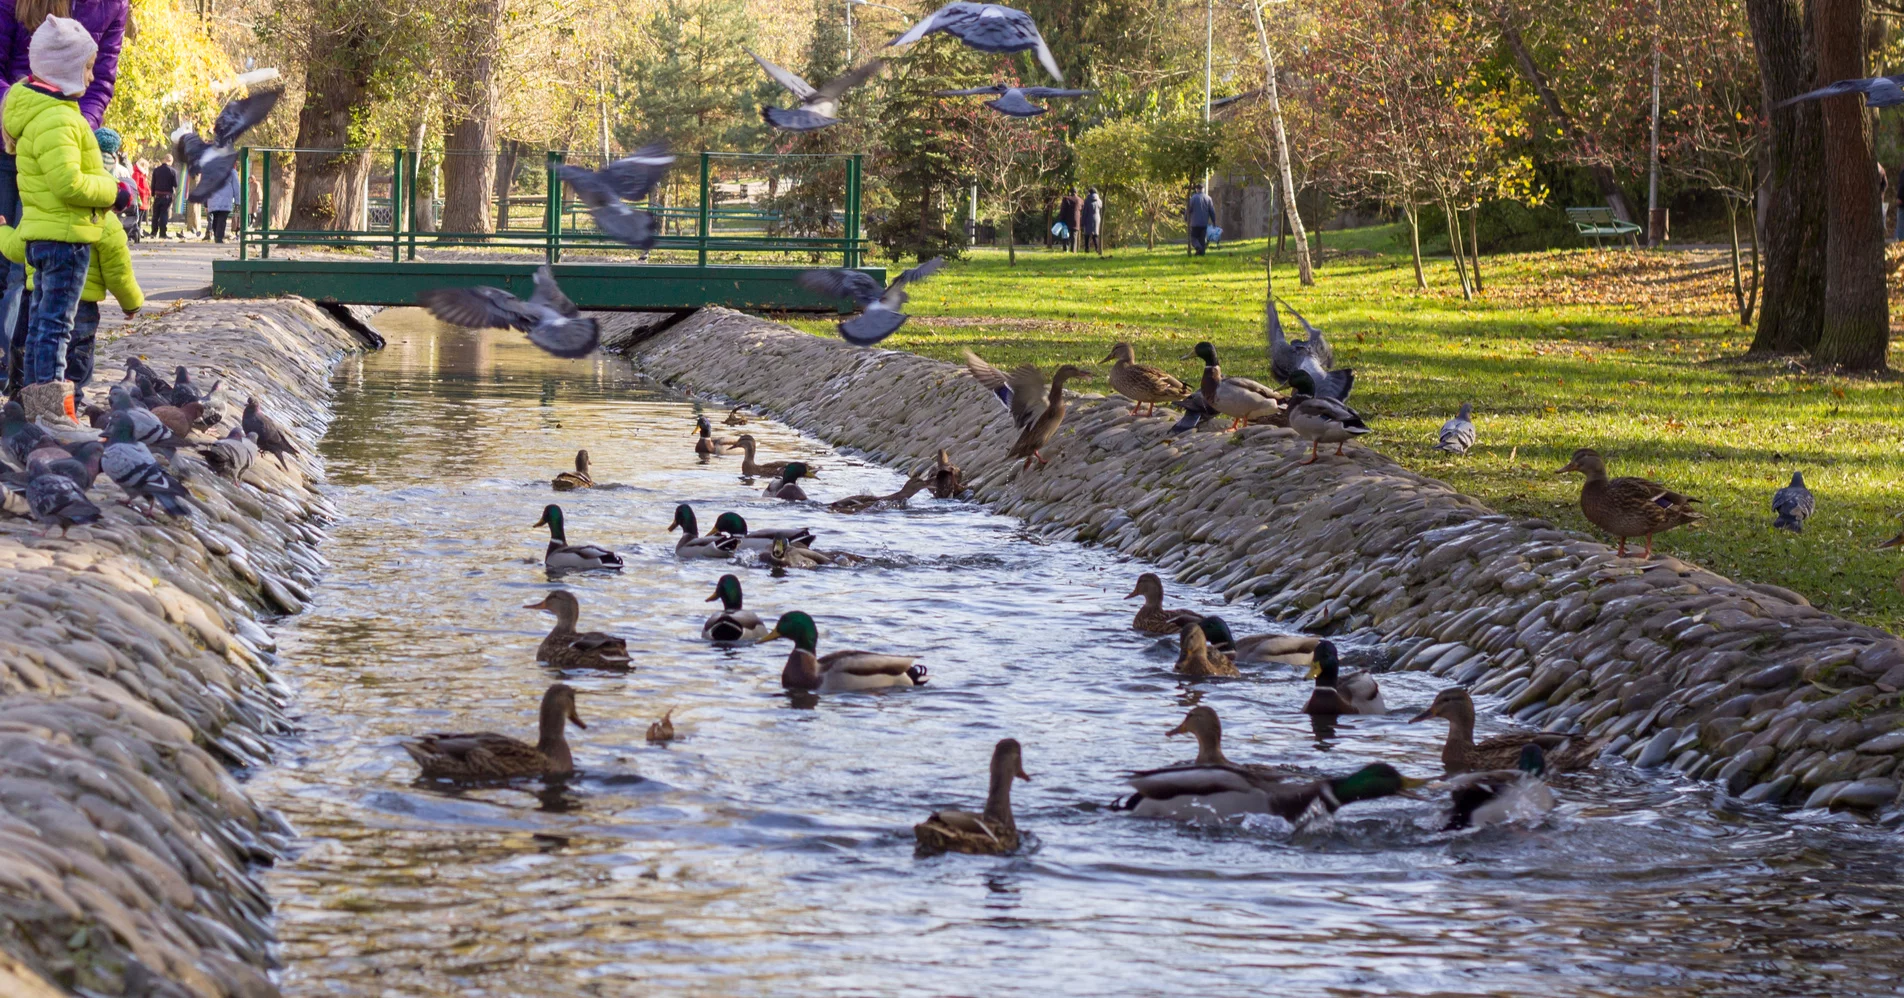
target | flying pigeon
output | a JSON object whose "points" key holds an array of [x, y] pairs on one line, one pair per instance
{"points": [[988, 28], [1878, 91], [1793, 504], [880, 314], [1313, 355], [270, 437], [818, 106], [1457, 434], [1012, 100], [55, 499], [232, 455], [552, 321], [147, 429], [211, 162], [131, 465], [609, 192]]}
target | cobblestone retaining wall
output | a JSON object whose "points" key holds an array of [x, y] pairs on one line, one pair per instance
{"points": [[134, 678], [1672, 665]]}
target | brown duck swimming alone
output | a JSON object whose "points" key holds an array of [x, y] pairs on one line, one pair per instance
{"points": [[1461, 754], [566, 648], [569, 481], [1627, 507], [484, 755], [991, 833], [947, 480]]}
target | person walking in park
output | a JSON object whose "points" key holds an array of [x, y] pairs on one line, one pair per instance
{"points": [[65, 192], [141, 190], [220, 203], [1069, 207], [1091, 222], [164, 185], [105, 21], [1199, 215]]}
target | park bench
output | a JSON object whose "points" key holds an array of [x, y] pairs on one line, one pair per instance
{"points": [[1599, 223]]}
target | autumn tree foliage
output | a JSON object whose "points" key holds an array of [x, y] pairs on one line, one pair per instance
{"points": [[1013, 158]]}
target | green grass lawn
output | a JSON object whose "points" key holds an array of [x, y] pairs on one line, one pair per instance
{"points": [[1635, 355]]}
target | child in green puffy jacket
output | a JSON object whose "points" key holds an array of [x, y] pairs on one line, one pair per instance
{"points": [[110, 271], [67, 198]]}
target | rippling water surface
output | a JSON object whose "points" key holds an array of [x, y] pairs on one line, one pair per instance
{"points": [[769, 850]]}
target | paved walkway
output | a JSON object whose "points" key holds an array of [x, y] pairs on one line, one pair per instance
{"points": [[169, 271]]}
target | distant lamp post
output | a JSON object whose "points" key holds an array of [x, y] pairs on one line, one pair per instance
{"points": [[850, 4]]}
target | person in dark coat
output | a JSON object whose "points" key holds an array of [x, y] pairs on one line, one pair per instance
{"points": [[1091, 222], [164, 186], [1199, 215], [1069, 207]]}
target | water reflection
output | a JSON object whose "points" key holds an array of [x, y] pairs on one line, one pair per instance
{"points": [[768, 849]]}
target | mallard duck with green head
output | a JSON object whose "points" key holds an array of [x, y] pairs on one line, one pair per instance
{"points": [[484, 755], [566, 557], [1338, 692], [1199, 792], [567, 648], [1260, 649], [992, 832], [731, 623], [1143, 384], [1242, 399], [840, 670], [692, 544], [708, 445], [1628, 507], [735, 526], [787, 486], [1462, 754], [1321, 420], [1490, 798], [569, 481]]}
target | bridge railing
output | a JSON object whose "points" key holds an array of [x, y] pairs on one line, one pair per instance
{"points": [[733, 207]]}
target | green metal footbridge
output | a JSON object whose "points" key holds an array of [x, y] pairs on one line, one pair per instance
{"points": [[738, 237]]}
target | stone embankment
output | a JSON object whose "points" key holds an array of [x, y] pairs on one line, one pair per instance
{"points": [[1669, 664], [134, 678]]}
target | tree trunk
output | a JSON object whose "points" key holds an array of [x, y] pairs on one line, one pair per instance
{"points": [[1455, 249], [1474, 245], [329, 177], [1791, 311], [469, 132], [507, 159], [1738, 274], [1011, 238], [1414, 243], [1305, 274], [1856, 329], [1757, 272], [1586, 145]]}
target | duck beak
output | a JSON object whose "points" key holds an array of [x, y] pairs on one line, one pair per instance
{"points": [[1134, 593], [1426, 714], [771, 635], [544, 605], [1315, 671], [1181, 729], [1411, 784], [1022, 774], [1108, 356], [540, 522], [576, 719], [710, 599], [1897, 541], [1571, 466]]}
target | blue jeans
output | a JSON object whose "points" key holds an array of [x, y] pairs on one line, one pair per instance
{"points": [[59, 275], [79, 352], [12, 276]]}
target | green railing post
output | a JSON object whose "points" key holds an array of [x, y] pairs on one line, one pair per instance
{"points": [[244, 196], [264, 212], [852, 210], [706, 220], [410, 192], [552, 205], [396, 205]]}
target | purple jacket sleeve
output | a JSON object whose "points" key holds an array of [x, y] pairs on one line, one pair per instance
{"points": [[109, 29], [12, 62]]}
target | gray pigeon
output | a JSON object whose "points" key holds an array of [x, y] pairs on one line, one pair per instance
{"points": [[611, 191], [131, 465], [819, 106], [20, 436], [552, 321], [988, 28], [211, 162], [233, 455], [185, 390], [1878, 91], [880, 314], [81, 463], [269, 436], [1312, 355], [54, 499], [1793, 504], [1457, 434], [1012, 100], [146, 428]]}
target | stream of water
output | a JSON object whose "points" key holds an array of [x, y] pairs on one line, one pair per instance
{"points": [[769, 849]]}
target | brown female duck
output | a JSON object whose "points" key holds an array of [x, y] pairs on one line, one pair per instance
{"points": [[1035, 411], [569, 481], [484, 755], [1152, 618], [752, 468], [1203, 723], [1142, 383], [1627, 507], [1461, 754], [566, 648], [947, 480], [991, 833], [867, 504], [1195, 657]]}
